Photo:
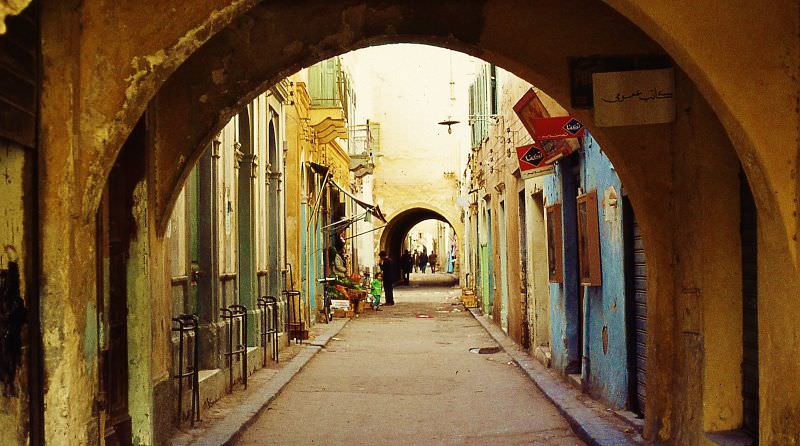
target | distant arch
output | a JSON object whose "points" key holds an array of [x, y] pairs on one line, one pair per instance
{"points": [[401, 222]]}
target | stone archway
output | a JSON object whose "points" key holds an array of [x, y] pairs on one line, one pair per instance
{"points": [[193, 69], [402, 221]]}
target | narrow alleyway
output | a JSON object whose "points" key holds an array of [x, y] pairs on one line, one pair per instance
{"points": [[391, 377]]}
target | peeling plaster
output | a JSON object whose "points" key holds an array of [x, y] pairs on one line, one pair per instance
{"points": [[149, 71], [140, 390], [90, 338], [8, 8]]}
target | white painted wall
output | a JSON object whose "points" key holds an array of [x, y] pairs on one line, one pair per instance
{"points": [[407, 89]]}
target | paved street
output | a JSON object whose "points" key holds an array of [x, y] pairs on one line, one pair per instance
{"points": [[390, 377]]}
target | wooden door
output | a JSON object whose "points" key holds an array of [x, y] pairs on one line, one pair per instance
{"points": [[115, 229], [112, 317], [523, 268]]}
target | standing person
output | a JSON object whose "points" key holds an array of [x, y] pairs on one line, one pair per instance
{"points": [[375, 288], [415, 260], [389, 270], [451, 262], [406, 263], [423, 261], [432, 262]]}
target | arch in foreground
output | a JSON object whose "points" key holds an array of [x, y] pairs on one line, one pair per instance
{"points": [[189, 70]]}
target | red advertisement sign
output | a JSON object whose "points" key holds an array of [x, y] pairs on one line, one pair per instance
{"points": [[530, 109], [534, 160], [559, 127]]}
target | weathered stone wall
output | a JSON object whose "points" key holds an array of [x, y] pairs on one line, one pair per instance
{"points": [[16, 231]]}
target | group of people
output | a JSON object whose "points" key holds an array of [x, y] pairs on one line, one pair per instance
{"points": [[391, 272], [389, 277], [417, 262]]}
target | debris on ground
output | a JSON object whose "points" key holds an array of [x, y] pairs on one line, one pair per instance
{"points": [[485, 350]]}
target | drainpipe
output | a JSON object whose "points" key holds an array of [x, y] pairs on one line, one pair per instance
{"points": [[585, 352], [586, 364], [282, 192]]}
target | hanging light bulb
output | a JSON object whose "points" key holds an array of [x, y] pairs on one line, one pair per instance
{"points": [[449, 123]]}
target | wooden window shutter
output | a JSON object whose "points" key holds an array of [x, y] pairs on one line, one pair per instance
{"points": [[589, 240], [555, 247]]}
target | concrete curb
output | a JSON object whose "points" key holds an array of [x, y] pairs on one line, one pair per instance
{"points": [[226, 431], [588, 419]]}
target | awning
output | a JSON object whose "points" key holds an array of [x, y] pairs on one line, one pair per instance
{"points": [[371, 208], [325, 172], [319, 169]]}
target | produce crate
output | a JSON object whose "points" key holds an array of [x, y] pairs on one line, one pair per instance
{"points": [[469, 298]]}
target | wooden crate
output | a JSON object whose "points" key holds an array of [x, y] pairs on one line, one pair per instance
{"points": [[469, 299]]}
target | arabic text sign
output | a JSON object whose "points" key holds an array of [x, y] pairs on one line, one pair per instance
{"points": [[559, 127], [533, 161], [634, 97]]}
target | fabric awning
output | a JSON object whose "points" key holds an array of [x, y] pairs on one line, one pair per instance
{"points": [[371, 208], [319, 169], [325, 172]]}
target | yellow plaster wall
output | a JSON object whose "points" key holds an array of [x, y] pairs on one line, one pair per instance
{"points": [[295, 118], [710, 268], [13, 233]]}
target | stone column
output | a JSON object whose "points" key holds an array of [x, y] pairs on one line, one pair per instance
{"points": [[207, 290]]}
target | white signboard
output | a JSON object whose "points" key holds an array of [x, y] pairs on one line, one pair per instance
{"points": [[634, 97], [340, 304]]}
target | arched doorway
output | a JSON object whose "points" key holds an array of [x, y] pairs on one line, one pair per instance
{"points": [[234, 52], [274, 179], [394, 234]]}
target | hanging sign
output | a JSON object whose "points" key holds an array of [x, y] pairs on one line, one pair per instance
{"points": [[634, 97], [533, 161], [559, 127], [529, 109]]}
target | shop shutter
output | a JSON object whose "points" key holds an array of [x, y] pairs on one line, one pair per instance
{"points": [[640, 312]]}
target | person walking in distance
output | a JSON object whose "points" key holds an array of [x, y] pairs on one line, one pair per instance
{"points": [[407, 264], [423, 261], [432, 262], [389, 270], [415, 261]]}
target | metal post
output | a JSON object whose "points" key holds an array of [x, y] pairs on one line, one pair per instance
{"points": [[179, 376], [196, 371], [186, 323]]}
